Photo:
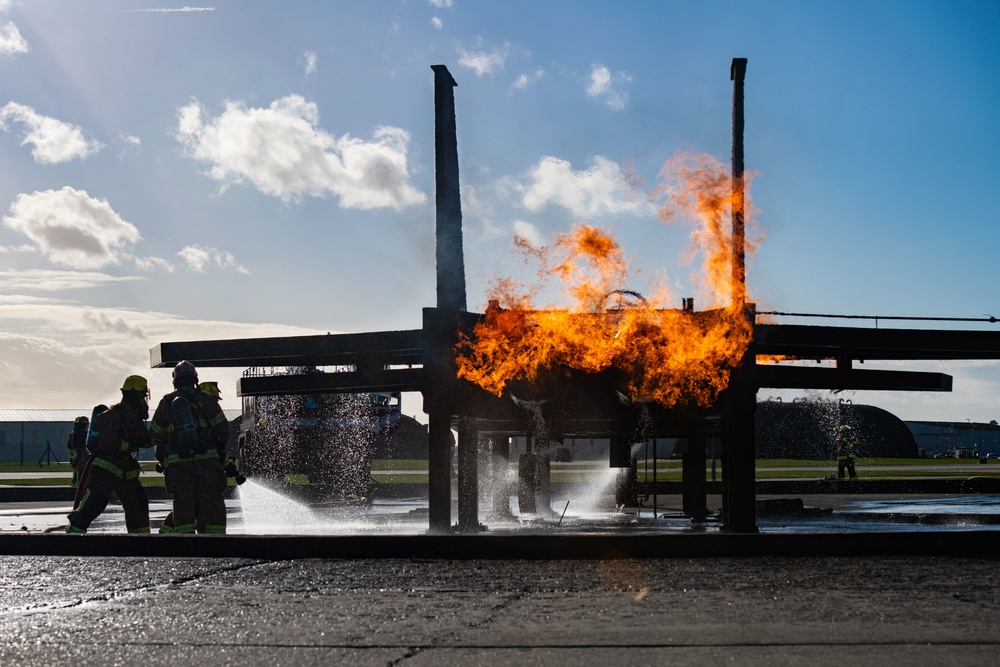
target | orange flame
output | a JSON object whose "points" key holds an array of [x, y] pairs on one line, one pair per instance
{"points": [[674, 357]]}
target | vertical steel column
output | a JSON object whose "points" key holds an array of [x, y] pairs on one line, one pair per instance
{"points": [[500, 449], [693, 486], [737, 73], [449, 253], [440, 326], [439, 472], [739, 464], [468, 476]]}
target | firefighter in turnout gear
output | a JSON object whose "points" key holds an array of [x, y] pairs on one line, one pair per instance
{"points": [[120, 433], [846, 451], [77, 445], [228, 465], [190, 432]]}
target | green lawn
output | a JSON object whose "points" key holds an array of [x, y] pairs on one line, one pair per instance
{"points": [[398, 472]]}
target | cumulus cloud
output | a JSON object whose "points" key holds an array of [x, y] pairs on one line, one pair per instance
{"points": [[106, 323], [527, 79], [71, 228], [166, 10], [152, 263], [46, 280], [483, 62], [437, 23], [11, 41], [310, 58], [198, 259], [440, 4], [529, 233], [282, 152], [52, 140], [59, 354], [603, 188], [604, 84]]}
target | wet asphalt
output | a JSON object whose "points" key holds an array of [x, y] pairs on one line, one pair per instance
{"points": [[693, 598], [676, 611]]}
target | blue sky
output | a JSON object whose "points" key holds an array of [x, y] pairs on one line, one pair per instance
{"points": [[178, 171]]}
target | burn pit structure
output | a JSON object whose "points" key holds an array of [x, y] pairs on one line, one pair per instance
{"points": [[574, 404]]}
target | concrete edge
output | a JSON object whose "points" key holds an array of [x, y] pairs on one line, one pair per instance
{"points": [[978, 544]]}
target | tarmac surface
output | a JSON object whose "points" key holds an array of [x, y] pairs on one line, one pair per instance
{"points": [[615, 591], [747, 610]]}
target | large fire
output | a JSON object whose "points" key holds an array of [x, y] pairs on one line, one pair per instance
{"points": [[668, 355]]}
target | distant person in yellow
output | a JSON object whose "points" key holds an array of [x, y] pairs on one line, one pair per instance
{"points": [[190, 432], [847, 446]]}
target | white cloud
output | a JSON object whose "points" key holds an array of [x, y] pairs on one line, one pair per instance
{"points": [[59, 354], [53, 140], [103, 322], [18, 248], [440, 4], [483, 62], [198, 259], [282, 152], [152, 263], [166, 10], [11, 41], [72, 228], [529, 233], [310, 58], [604, 188], [437, 23], [527, 79], [46, 280], [606, 85]]}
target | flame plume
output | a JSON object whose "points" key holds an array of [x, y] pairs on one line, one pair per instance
{"points": [[673, 357]]}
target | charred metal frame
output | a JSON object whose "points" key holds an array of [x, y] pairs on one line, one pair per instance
{"points": [[576, 404]]}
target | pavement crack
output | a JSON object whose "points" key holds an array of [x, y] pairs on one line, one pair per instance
{"points": [[117, 593]]}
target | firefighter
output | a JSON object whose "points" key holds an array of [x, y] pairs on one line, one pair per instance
{"points": [[190, 432], [120, 432], [846, 451], [228, 465], [77, 445]]}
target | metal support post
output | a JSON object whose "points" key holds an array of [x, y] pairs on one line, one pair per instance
{"points": [[468, 476], [693, 487]]}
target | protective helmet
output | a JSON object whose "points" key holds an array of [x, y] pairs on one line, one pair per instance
{"points": [[845, 428], [136, 383], [212, 388], [185, 372]]}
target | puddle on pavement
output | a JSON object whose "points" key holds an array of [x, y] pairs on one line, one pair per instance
{"points": [[409, 517]]}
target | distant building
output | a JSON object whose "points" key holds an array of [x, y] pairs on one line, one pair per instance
{"points": [[33, 436], [784, 430], [970, 438]]}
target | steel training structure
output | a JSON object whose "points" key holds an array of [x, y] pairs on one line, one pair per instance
{"points": [[574, 404]]}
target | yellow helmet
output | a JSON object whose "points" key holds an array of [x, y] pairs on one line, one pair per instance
{"points": [[136, 383], [212, 388]]}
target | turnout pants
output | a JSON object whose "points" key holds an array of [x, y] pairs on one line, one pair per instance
{"points": [[198, 487], [101, 485]]}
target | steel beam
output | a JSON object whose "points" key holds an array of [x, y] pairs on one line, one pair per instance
{"points": [[405, 379], [813, 342], [357, 349], [802, 377]]}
